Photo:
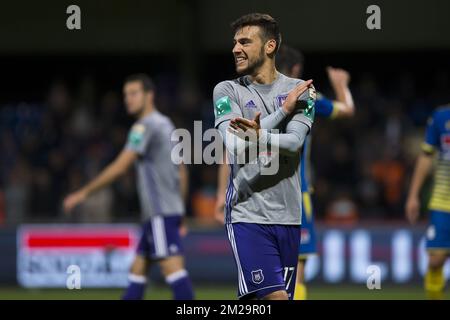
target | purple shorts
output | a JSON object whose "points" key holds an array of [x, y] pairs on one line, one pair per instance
{"points": [[160, 238], [266, 258]]}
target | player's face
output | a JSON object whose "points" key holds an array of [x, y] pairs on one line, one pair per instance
{"points": [[134, 97], [248, 50]]}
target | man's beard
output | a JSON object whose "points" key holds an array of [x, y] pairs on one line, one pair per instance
{"points": [[254, 65], [138, 112]]}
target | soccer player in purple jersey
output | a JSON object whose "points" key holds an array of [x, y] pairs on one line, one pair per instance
{"points": [[263, 211], [161, 186]]}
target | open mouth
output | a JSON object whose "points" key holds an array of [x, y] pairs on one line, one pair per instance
{"points": [[240, 60]]}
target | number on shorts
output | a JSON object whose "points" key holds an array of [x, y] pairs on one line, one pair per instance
{"points": [[288, 273]]}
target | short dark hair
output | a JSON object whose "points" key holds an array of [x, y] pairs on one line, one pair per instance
{"points": [[147, 83], [268, 25], [288, 57]]}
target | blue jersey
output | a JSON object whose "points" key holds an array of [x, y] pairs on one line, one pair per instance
{"points": [[437, 138], [326, 109], [323, 108]]}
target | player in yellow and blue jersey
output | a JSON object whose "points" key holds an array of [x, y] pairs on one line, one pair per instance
{"points": [[290, 62], [437, 139]]}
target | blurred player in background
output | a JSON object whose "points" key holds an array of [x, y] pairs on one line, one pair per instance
{"points": [[161, 186], [263, 212], [290, 62], [437, 138]]}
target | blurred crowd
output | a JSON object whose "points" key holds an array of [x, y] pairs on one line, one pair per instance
{"points": [[360, 167]]}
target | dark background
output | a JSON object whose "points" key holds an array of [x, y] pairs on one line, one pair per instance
{"points": [[62, 117]]}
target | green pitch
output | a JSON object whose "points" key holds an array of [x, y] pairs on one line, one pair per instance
{"points": [[220, 293]]}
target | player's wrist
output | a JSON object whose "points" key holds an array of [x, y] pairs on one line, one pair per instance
{"points": [[338, 85], [263, 136], [83, 193], [285, 110]]}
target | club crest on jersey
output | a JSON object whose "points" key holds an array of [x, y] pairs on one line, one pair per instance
{"points": [[173, 248], [257, 276], [281, 99], [250, 104]]}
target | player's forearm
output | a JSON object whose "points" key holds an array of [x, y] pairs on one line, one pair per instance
{"points": [[184, 181], [344, 96], [222, 177], [235, 145], [422, 169], [289, 143], [274, 119], [106, 177], [111, 172]]}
